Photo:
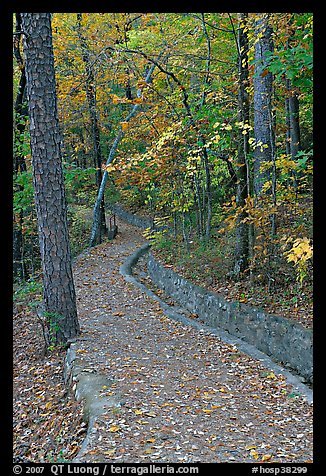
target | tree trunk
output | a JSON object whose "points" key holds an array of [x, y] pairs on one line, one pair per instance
{"points": [[120, 134], [263, 81], [58, 284], [293, 126], [208, 183], [292, 110], [295, 142], [91, 99], [208, 62], [242, 228], [19, 265], [264, 122]]}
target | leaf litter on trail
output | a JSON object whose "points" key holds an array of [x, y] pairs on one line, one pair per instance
{"points": [[189, 385], [48, 422]]}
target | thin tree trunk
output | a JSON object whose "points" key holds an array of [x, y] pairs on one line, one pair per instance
{"points": [[288, 125], [293, 120], [273, 173], [293, 140], [242, 228], [91, 99], [208, 61], [19, 265], [199, 207], [58, 284], [120, 134], [208, 194]]}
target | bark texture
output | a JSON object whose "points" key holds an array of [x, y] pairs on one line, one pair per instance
{"points": [[242, 230], [263, 82], [293, 120], [59, 291]]}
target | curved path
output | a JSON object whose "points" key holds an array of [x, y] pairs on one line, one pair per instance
{"points": [[157, 390]]}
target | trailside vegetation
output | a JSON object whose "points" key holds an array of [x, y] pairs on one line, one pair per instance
{"points": [[202, 121]]}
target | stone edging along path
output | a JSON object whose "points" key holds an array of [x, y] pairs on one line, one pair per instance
{"points": [[95, 374], [286, 342], [177, 314]]}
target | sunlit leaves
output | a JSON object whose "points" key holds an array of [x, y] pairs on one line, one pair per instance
{"points": [[300, 252]]}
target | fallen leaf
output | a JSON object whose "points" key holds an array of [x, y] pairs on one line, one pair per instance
{"points": [[114, 428], [254, 454], [148, 451], [109, 452], [266, 457]]}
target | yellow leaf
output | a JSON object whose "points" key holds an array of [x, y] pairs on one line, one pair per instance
{"points": [[272, 376], [148, 451], [266, 457], [124, 125], [138, 412], [251, 447], [142, 422], [254, 454], [115, 99], [114, 429], [110, 167]]}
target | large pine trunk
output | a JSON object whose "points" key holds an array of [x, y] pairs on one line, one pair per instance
{"points": [[59, 291]]}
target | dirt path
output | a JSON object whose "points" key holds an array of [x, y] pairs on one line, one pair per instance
{"points": [[182, 395]]}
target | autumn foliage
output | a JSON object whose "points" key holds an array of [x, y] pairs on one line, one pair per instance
{"points": [[179, 157]]}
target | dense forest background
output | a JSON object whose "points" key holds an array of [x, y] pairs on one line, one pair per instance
{"points": [[202, 121]]}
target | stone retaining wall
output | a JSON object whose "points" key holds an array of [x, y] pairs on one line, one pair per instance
{"points": [[285, 341]]}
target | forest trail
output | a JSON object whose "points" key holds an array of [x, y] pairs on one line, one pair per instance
{"points": [[180, 395]]}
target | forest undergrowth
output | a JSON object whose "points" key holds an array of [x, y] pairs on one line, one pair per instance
{"points": [[48, 422]]}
